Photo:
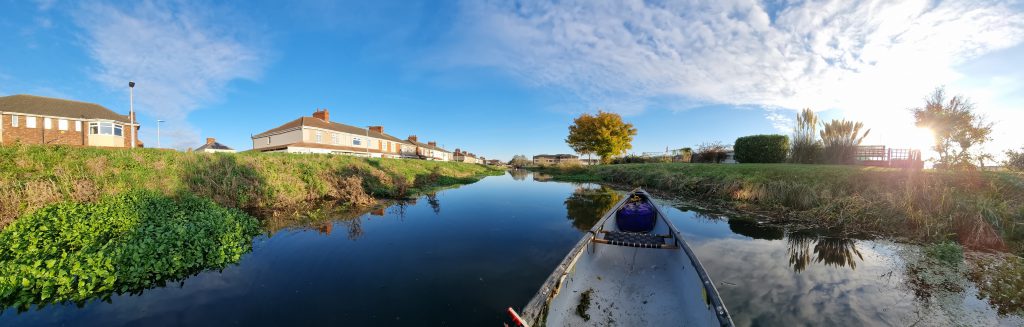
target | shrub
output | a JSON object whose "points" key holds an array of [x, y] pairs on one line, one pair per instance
{"points": [[761, 148], [1015, 160], [711, 152], [76, 252]]}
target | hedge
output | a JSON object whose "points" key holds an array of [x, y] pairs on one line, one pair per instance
{"points": [[761, 148]]}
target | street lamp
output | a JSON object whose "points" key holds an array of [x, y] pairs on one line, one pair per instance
{"points": [[131, 110], [158, 121]]}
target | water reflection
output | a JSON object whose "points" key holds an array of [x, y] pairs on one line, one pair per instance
{"points": [[755, 230], [519, 174], [434, 204], [588, 203], [830, 251]]}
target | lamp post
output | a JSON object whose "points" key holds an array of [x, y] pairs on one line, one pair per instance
{"points": [[131, 110], [158, 121]]}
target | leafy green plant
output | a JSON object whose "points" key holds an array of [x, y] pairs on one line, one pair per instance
{"points": [[761, 148], [76, 252]]}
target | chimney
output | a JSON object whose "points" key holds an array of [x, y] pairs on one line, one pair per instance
{"points": [[413, 138], [377, 129], [458, 151], [432, 143], [210, 140], [322, 114]]}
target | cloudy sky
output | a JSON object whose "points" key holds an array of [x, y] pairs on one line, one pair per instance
{"points": [[501, 78]]}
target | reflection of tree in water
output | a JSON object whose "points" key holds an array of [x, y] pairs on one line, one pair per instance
{"points": [[831, 251], [519, 174], [586, 205], [752, 229], [434, 204], [540, 177]]}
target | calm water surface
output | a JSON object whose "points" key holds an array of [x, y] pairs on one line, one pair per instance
{"points": [[460, 256]]}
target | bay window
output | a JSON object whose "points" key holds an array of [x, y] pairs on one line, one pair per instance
{"points": [[106, 128]]}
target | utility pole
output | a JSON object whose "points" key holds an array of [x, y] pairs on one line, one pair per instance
{"points": [[158, 132], [131, 110]]}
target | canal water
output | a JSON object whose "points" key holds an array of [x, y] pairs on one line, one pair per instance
{"points": [[461, 256]]}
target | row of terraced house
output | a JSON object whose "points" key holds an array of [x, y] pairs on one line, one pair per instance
{"points": [[30, 119], [318, 134]]}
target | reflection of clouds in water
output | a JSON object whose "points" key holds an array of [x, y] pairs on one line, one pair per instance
{"points": [[767, 290]]}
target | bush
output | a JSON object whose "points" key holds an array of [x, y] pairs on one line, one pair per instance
{"points": [[711, 152], [1015, 160], [761, 148], [76, 252]]}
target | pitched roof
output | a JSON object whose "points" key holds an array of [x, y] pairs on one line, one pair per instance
{"points": [[317, 122], [213, 146], [428, 146], [46, 106]]}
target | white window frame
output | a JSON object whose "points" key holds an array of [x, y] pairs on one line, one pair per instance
{"points": [[319, 137], [47, 123], [334, 138], [106, 128], [30, 122], [268, 140], [14, 120], [78, 126], [62, 124]]}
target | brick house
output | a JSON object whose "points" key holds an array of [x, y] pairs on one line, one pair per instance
{"points": [[30, 119], [318, 134], [429, 150], [212, 146]]}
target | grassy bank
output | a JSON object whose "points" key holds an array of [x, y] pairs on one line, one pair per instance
{"points": [[82, 223], [34, 176], [977, 209]]}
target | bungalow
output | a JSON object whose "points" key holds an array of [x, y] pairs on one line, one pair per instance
{"points": [[318, 134], [31, 119], [212, 146], [429, 150], [554, 159]]}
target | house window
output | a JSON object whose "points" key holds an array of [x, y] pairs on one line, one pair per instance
{"points": [[78, 126], [106, 128], [268, 139], [14, 121], [319, 137], [30, 122], [334, 138], [357, 141], [62, 124], [47, 123]]}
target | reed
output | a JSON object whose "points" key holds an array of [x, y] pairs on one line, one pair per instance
{"points": [[976, 209]]}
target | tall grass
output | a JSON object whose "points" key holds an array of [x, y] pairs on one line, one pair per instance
{"points": [[34, 176], [978, 209]]}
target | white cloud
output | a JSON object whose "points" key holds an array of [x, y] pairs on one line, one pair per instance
{"points": [[181, 57], [872, 59]]}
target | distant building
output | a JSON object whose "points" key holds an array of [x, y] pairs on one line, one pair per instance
{"points": [[590, 162], [318, 134], [429, 150], [554, 159], [495, 162], [30, 119], [212, 146]]}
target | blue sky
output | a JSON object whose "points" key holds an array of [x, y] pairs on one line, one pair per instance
{"points": [[500, 78]]}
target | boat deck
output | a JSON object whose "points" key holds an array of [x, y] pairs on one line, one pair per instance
{"points": [[632, 287]]}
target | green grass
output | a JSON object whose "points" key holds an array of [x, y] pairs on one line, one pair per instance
{"points": [[976, 209], [34, 176], [78, 251]]}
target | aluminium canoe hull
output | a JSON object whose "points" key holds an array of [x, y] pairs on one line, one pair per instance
{"points": [[628, 285]]}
